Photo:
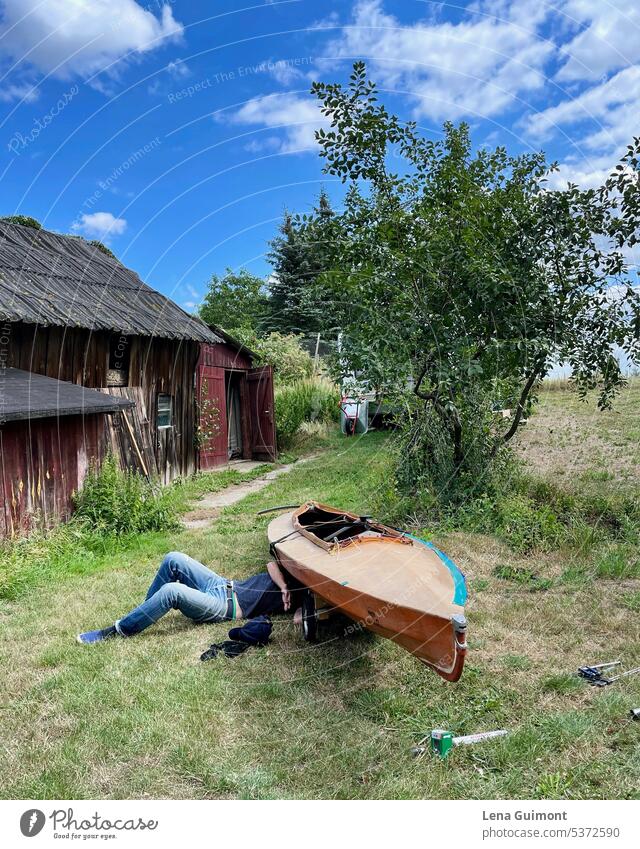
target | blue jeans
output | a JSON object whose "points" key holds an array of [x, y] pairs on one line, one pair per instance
{"points": [[183, 584]]}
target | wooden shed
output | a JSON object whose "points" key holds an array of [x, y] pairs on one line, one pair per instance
{"points": [[71, 312], [235, 404], [49, 433]]}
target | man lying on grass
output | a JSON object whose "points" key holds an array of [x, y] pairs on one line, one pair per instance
{"points": [[183, 584]]}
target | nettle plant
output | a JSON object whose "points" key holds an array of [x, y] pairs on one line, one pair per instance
{"points": [[457, 278]]}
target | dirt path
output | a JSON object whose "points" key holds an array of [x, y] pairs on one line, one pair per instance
{"points": [[207, 509]]}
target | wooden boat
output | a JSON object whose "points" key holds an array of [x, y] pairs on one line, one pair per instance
{"points": [[392, 583]]}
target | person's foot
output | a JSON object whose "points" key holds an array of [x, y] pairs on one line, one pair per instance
{"points": [[90, 637]]}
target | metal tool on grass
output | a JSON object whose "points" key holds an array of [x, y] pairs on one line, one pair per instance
{"points": [[634, 713], [595, 672], [443, 741], [595, 675]]}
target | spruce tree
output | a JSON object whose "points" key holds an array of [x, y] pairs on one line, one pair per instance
{"points": [[298, 257]]}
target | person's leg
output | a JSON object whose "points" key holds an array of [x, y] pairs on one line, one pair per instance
{"points": [[176, 571], [180, 567], [199, 606]]}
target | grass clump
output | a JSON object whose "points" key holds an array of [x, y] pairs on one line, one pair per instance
{"points": [[117, 501], [528, 526], [562, 683], [631, 601], [532, 514], [618, 562], [527, 578]]}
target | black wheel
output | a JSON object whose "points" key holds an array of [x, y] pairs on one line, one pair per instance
{"points": [[309, 618], [350, 427]]}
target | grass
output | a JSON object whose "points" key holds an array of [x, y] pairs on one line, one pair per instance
{"points": [[572, 441], [70, 549], [144, 718]]}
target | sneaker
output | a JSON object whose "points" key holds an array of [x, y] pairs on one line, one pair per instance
{"points": [[90, 637]]}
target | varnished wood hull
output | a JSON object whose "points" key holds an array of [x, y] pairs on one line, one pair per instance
{"points": [[434, 632]]}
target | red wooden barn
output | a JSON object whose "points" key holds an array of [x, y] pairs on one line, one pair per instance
{"points": [[49, 433], [182, 395], [76, 315], [235, 404]]}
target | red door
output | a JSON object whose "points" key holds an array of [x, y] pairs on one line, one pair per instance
{"points": [[212, 417], [262, 413]]}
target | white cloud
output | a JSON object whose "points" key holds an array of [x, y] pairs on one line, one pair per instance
{"points": [[298, 118], [19, 91], [178, 69], [609, 38], [270, 143], [606, 104], [81, 37], [598, 123], [99, 225], [475, 67], [284, 72]]}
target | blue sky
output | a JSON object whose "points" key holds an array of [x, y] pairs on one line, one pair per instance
{"points": [[178, 132]]}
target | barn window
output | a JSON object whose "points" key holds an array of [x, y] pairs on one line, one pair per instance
{"points": [[119, 356], [164, 416]]}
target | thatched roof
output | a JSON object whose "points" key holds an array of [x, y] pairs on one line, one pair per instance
{"points": [[49, 279], [26, 396]]}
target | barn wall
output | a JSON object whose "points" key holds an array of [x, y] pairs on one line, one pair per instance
{"points": [[42, 462], [224, 356], [163, 366], [157, 366]]}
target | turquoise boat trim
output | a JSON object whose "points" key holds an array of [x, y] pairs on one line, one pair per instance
{"points": [[459, 582]]}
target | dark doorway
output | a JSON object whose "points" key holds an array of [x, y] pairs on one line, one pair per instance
{"points": [[234, 415]]}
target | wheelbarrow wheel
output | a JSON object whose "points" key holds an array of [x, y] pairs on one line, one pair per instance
{"points": [[309, 618]]}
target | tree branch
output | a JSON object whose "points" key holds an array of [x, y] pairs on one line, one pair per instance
{"points": [[426, 396], [522, 401]]}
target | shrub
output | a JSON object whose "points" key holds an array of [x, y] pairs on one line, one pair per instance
{"points": [[284, 352], [427, 467], [312, 400], [113, 501], [96, 243]]}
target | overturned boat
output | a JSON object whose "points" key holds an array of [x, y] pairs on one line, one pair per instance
{"points": [[390, 582]]}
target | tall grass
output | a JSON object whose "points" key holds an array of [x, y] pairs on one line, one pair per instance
{"points": [[310, 400]]}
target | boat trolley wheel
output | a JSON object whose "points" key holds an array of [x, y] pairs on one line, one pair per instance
{"points": [[309, 617]]}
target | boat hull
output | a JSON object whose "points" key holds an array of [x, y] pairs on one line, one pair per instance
{"points": [[435, 637]]}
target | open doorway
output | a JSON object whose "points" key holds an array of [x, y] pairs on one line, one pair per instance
{"points": [[234, 415]]}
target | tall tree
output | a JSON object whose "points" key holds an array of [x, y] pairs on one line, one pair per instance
{"points": [[237, 302], [298, 257], [463, 276]]}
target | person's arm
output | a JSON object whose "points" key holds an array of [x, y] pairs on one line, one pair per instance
{"points": [[276, 575]]}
